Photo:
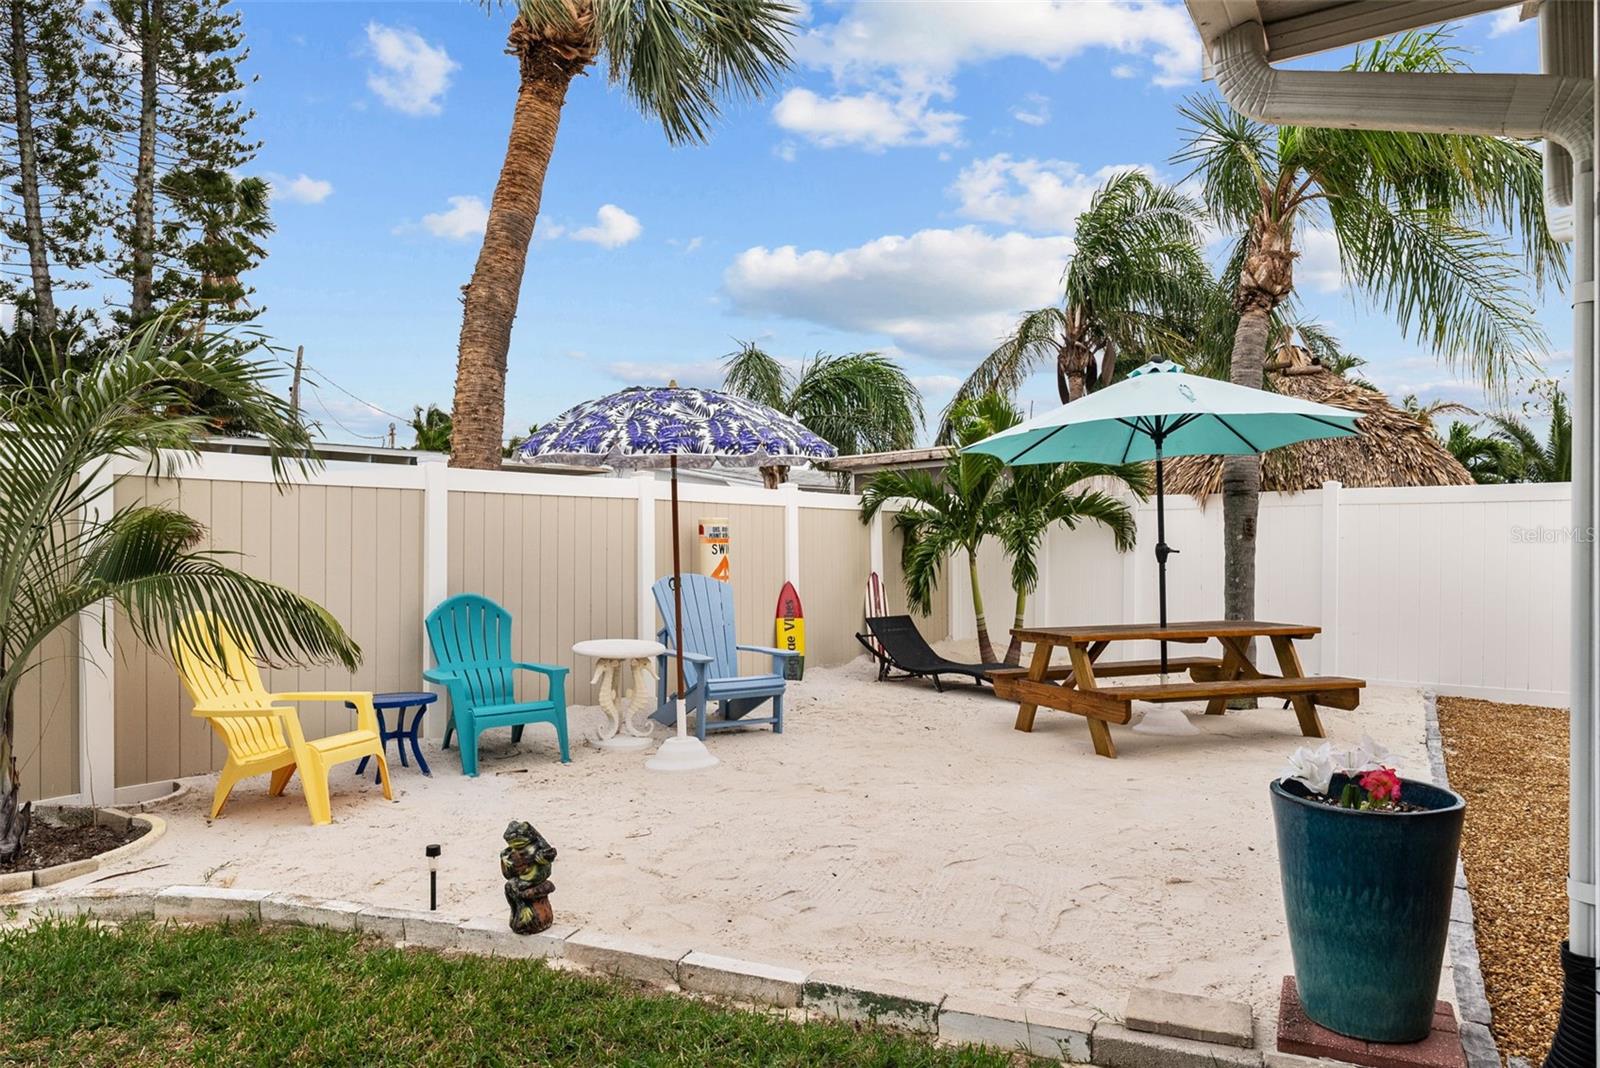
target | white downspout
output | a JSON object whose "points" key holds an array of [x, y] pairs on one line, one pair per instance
{"points": [[1556, 107]]}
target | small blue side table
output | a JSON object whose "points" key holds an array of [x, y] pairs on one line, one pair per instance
{"points": [[400, 703]]}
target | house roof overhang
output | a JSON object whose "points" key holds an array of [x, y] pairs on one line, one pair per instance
{"points": [[1295, 28]]}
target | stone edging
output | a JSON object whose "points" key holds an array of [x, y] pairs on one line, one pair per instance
{"points": [[1472, 1002], [1059, 1034], [41, 877]]}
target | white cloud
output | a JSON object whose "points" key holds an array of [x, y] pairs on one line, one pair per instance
{"points": [[465, 218], [931, 39], [303, 189], [411, 75], [946, 293], [693, 244], [613, 228], [1034, 110], [870, 120], [1124, 70], [696, 373], [1318, 265], [1507, 20], [1045, 196]]}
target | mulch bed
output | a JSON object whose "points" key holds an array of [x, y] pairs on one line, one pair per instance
{"points": [[1510, 763], [49, 844]]}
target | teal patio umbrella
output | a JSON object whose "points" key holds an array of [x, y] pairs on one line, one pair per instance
{"points": [[1161, 411]]}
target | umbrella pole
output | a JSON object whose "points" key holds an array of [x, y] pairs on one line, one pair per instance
{"points": [[677, 601], [680, 752], [1162, 552]]}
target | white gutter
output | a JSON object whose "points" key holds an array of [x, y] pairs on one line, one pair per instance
{"points": [[1530, 106], [1556, 107]]}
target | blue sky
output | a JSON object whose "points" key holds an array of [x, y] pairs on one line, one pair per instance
{"points": [[909, 188]]}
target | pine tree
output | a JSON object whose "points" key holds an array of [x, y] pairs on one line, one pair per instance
{"points": [[52, 151], [191, 228]]}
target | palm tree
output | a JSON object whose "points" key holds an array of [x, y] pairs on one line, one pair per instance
{"points": [[976, 496], [676, 60], [431, 429], [1427, 413], [1038, 496], [1524, 457], [1137, 263], [65, 546], [951, 511], [1483, 457], [857, 402], [1406, 210]]}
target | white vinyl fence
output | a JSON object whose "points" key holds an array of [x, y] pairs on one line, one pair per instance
{"points": [[1459, 589]]}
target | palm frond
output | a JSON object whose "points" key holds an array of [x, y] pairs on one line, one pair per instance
{"points": [[751, 373], [63, 544], [680, 60]]}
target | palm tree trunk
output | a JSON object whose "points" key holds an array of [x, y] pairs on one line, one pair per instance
{"points": [[985, 646], [142, 303], [14, 818], [1241, 477], [490, 298], [774, 475], [1266, 279], [44, 317], [1014, 647], [1072, 370]]}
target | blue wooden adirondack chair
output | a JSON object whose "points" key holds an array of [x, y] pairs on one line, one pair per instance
{"points": [[711, 661], [471, 639]]}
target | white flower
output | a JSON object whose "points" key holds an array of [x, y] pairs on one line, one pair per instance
{"points": [[1314, 767], [1367, 755], [1317, 767]]}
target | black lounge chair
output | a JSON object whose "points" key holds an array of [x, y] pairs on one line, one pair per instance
{"points": [[897, 645]]}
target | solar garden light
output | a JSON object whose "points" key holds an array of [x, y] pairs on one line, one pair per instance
{"points": [[432, 853]]}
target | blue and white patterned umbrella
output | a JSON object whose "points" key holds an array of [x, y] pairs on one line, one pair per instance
{"points": [[674, 427], [645, 427]]}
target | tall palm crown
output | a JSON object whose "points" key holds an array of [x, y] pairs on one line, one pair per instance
{"points": [[857, 402], [65, 546], [1412, 215], [676, 60], [1137, 264]]}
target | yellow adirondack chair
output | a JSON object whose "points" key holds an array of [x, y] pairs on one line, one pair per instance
{"points": [[264, 736]]}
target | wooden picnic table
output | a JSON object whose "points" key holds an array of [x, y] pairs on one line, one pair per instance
{"points": [[1075, 686]]}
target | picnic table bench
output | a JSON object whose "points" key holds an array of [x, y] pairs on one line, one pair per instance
{"points": [[1075, 686]]}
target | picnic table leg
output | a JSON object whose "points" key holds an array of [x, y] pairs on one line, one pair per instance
{"points": [[1083, 678], [1036, 669], [1289, 664], [1100, 735], [1232, 666]]}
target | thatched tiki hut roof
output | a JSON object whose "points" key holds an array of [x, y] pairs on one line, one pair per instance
{"points": [[1391, 447]]}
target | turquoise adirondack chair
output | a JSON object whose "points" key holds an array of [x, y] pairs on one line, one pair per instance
{"points": [[711, 661], [471, 639]]}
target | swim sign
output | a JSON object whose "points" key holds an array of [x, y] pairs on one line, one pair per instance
{"points": [[790, 631], [714, 559]]}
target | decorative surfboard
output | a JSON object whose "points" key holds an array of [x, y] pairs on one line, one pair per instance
{"points": [[789, 631], [877, 605]]}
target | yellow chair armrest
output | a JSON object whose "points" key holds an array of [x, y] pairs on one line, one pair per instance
{"points": [[244, 713], [366, 715]]}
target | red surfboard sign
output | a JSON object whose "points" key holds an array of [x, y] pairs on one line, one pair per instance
{"points": [[789, 631]]}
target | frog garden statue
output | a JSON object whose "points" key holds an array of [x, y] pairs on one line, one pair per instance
{"points": [[525, 865]]}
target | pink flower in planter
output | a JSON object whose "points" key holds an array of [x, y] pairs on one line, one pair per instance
{"points": [[1382, 784]]}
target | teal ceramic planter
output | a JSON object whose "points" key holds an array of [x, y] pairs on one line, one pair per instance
{"points": [[1367, 897]]}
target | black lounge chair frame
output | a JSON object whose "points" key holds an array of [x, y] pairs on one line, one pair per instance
{"points": [[897, 645]]}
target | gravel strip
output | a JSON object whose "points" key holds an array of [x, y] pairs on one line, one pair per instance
{"points": [[1510, 763]]}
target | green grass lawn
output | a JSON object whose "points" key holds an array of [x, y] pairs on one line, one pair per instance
{"points": [[144, 994]]}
